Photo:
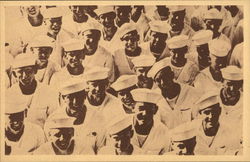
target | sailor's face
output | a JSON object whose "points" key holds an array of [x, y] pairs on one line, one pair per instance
{"points": [[79, 11], [210, 116], [62, 137], [143, 80], [33, 11], [90, 39], [123, 13], [96, 91], [232, 87], [107, 19], [25, 74], [74, 58], [213, 25], [217, 63], [14, 122], [43, 54], [179, 148], [177, 20], [74, 102], [126, 98], [144, 112], [54, 25], [157, 39], [131, 41], [164, 78]]}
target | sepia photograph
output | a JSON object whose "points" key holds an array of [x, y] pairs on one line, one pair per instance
{"points": [[97, 79]]}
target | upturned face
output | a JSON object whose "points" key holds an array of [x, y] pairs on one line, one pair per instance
{"points": [[123, 13], [43, 54], [210, 116], [143, 80], [62, 137], [54, 25], [25, 74]]}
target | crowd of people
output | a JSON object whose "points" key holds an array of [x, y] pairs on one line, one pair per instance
{"points": [[124, 80]]}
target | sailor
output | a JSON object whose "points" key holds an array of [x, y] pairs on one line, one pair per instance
{"points": [[21, 136], [200, 52], [184, 69], [214, 137], [180, 97], [158, 34], [142, 65], [119, 134], [123, 15], [123, 85], [183, 138], [150, 136], [42, 48], [211, 76], [95, 54], [130, 49]]}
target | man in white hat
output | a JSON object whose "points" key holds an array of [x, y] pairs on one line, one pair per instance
{"points": [[123, 15], [42, 48], [21, 137], [151, 137], [95, 54], [142, 65], [200, 53], [123, 85], [214, 136], [130, 49], [60, 133], [73, 57], [213, 20], [211, 76], [180, 97], [177, 22], [97, 98], [26, 29], [183, 138], [88, 123], [158, 34], [184, 69], [119, 133]]}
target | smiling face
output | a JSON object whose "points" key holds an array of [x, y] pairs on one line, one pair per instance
{"points": [[74, 58], [14, 122], [54, 25], [62, 137], [26, 75], [107, 19], [96, 91], [210, 117], [131, 40], [43, 54], [33, 11]]}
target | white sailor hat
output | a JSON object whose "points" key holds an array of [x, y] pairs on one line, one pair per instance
{"points": [[158, 66], [208, 99], [219, 48], [159, 26], [96, 73], [104, 9], [72, 85], [176, 8], [92, 25], [53, 12], [232, 72], [23, 60], [124, 81], [41, 41], [126, 28], [202, 37], [118, 124], [212, 14], [15, 103], [145, 95], [59, 120], [73, 45], [185, 131], [178, 41], [143, 61]]}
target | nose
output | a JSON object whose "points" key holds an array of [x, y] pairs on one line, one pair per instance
{"points": [[89, 41], [74, 101], [209, 115], [24, 75], [61, 138], [118, 144]]}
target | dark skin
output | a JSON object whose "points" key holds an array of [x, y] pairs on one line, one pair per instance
{"points": [[79, 13], [163, 11], [131, 40], [74, 62], [43, 56], [144, 117], [177, 21], [143, 80], [232, 9], [122, 15], [107, 20], [178, 56], [217, 63], [185, 147], [136, 12], [230, 94], [164, 79], [35, 17], [157, 43], [214, 26], [54, 26], [127, 99], [203, 56], [210, 121]]}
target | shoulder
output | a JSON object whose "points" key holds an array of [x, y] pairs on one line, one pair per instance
{"points": [[43, 149]]}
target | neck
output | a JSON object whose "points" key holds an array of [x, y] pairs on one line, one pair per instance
{"points": [[75, 70], [212, 131], [28, 89], [217, 76], [67, 151], [12, 136], [80, 117], [180, 62], [82, 19], [36, 21]]}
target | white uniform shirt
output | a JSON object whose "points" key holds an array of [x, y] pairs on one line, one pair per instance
{"points": [[32, 138]]}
